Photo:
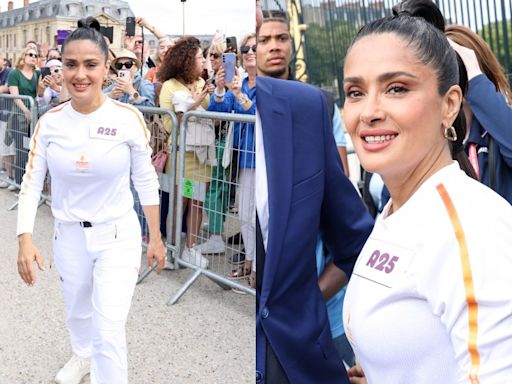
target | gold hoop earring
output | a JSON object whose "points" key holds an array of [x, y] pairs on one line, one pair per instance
{"points": [[450, 134]]}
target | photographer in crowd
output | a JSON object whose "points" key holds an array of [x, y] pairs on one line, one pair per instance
{"points": [[50, 83], [129, 87]]}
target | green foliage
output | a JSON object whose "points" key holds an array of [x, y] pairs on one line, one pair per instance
{"points": [[493, 34], [325, 49]]}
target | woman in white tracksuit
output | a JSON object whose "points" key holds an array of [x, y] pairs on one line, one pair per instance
{"points": [[91, 146], [429, 298]]}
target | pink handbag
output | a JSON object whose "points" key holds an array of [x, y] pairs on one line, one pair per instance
{"points": [[159, 159]]}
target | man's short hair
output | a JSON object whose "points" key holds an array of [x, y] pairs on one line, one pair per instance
{"points": [[275, 14], [283, 20]]}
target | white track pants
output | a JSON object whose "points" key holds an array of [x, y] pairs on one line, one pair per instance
{"points": [[99, 268], [247, 210]]}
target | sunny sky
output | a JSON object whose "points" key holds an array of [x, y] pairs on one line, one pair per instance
{"points": [[233, 17]]}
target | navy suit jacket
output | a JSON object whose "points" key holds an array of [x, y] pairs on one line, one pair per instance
{"points": [[307, 192]]}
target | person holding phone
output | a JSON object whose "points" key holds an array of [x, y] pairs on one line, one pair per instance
{"points": [[129, 87], [241, 98], [92, 146], [183, 90], [51, 83]]}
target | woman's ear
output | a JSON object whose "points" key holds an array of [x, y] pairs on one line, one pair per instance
{"points": [[451, 105]]}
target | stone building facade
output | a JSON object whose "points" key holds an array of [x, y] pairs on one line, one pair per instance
{"points": [[40, 21]]}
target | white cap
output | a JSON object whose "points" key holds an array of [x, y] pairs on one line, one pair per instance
{"points": [[53, 62]]}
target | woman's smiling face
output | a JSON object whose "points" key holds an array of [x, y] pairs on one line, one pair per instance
{"points": [[393, 110]]}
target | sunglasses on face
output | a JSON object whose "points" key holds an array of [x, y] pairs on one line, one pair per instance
{"points": [[138, 41], [246, 48], [214, 55], [32, 55], [120, 66]]}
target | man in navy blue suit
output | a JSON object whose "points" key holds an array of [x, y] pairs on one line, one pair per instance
{"points": [[300, 190]]}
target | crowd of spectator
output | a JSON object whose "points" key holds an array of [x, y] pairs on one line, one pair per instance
{"points": [[182, 75]]}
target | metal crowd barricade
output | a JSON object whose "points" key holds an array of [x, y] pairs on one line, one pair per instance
{"points": [[162, 119], [194, 179], [16, 128], [174, 187]]}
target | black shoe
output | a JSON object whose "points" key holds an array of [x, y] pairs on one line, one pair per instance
{"points": [[235, 239], [237, 258]]}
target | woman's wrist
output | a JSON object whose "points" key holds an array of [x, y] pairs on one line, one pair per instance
{"points": [[219, 94], [242, 99], [24, 238]]}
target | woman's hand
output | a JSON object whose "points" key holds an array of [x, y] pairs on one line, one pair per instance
{"points": [[198, 97], [156, 251], [41, 86], [252, 279], [28, 115], [210, 88], [27, 254], [49, 81], [125, 85], [356, 375], [469, 59], [236, 84], [219, 80]]}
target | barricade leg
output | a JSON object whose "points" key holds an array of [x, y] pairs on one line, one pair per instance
{"points": [[221, 221]]}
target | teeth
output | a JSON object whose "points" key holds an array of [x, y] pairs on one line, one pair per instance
{"points": [[379, 139]]}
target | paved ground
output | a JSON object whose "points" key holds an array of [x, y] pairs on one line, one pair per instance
{"points": [[208, 337]]}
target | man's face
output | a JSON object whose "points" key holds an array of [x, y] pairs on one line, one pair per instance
{"points": [[274, 50], [137, 48]]}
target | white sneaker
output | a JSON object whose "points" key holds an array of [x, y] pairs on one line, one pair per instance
{"points": [[193, 256], [74, 370], [168, 266], [214, 244], [12, 188]]}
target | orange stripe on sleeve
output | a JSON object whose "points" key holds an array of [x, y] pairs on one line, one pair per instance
{"points": [[134, 110], [32, 154], [468, 284]]}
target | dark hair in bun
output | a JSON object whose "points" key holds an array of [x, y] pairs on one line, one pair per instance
{"points": [[425, 9], [89, 22], [88, 29]]}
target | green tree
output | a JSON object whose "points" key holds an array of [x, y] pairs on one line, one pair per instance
{"points": [[325, 49], [500, 42]]}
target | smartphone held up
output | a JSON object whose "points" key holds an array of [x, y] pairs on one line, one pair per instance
{"points": [[123, 73], [229, 64], [130, 26], [45, 71]]}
